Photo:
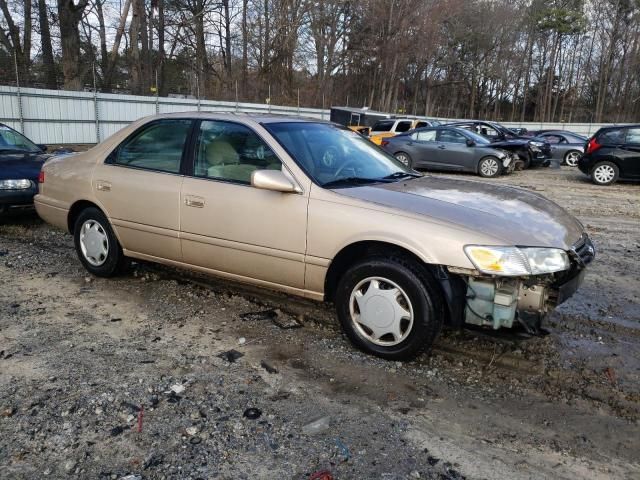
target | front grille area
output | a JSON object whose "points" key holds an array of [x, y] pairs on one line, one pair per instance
{"points": [[583, 250]]}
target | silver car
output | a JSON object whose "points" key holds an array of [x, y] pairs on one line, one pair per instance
{"points": [[567, 147], [449, 148]]}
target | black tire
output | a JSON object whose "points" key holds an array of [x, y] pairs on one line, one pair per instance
{"points": [[404, 158], [422, 292], [526, 159], [597, 173], [114, 261], [489, 167], [569, 156]]}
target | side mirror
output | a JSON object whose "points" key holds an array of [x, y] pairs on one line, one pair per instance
{"points": [[42, 147], [470, 143], [272, 180]]}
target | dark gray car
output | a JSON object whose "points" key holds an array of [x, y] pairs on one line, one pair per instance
{"points": [[449, 148], [567, 147]]}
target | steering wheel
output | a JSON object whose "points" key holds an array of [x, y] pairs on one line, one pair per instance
{"points": [[343, 166], [330, 156]]}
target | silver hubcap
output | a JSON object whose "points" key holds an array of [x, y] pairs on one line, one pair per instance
{"points": [[489, 167], [402, 158], [572, 159], [604, 173], [381, 311], [94, 243]]}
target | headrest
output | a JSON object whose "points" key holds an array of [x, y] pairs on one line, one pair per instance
{"points": [[221, 152]]}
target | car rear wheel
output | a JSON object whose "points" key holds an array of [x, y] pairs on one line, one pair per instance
{"points": [[96, 244], [390, 308], [604, 173], [489, 167], [571, 158], [404, 158]]}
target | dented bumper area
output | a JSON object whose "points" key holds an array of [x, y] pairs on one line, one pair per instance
{"points": [[502, 302]]}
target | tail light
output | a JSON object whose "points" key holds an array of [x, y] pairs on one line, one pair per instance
{"points": [[384, 143], [592, 145], [41, 177]]}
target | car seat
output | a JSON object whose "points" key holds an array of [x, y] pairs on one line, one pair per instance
{"points": [[224, 162]]}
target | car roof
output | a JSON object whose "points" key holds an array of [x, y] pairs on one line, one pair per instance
{"points": [[627, 125], [242, 117]]}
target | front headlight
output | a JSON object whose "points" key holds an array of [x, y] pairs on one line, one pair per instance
{"points": [[15, 184], [514, 261], [536, 144]]}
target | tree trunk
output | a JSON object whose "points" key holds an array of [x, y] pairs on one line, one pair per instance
{"points": [[47, 50], [69, 16], [245, 48]]}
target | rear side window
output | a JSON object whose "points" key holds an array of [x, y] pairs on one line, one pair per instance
{"points": [[403, 127], [383, 126], [157, 146], [633, 135], [426, 136], [615, 135], [553, 139]]}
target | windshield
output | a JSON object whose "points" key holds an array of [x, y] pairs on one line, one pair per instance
{"points": [[335, 156], [504, 130], [476, 137], [12, 140]]}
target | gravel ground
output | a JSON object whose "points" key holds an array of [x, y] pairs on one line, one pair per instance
{"points": [[131, 377]]}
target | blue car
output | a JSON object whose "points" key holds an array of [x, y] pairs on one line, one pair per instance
{"points": [[20, 163]]}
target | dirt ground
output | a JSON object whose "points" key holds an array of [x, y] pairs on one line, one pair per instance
{"points": [[122, 378]]}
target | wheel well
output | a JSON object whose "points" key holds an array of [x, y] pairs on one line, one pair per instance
{"points": [[452, 287], [75, 210]]}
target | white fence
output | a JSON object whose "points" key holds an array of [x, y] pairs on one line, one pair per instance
{"points": [[63, 117]]}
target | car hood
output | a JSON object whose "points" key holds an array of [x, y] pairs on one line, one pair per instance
{"points": [[513, 215], [515, 142], [17, 165]]}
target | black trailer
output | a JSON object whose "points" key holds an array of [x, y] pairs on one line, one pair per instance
{"points": [[355, 117]]}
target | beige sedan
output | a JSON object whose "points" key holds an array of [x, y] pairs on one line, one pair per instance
{"points": [[313, 209]]}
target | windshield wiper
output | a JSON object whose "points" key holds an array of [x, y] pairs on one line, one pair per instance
{"points": [[347, 181], [397, 175]]}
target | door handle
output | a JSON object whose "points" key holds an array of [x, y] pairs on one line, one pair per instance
{"points": [[441, 147], [193, 201], [103, 186]]}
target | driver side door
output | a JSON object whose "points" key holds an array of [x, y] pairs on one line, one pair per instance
{"points": [[231, 227], [453, 151]]}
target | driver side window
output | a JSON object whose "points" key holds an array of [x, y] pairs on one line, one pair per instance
{"points": [[230, 151], [449, 136]]}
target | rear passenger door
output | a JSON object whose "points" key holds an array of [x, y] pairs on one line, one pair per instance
{"points": [[630, 154], [138, 187], [424, 148], [229, 226]]}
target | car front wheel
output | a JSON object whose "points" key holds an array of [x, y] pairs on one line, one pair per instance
{"points": [[604, 173], [389, 307], [489, 167], [96, 244]]}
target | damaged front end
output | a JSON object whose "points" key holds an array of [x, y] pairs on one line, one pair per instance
{"points": [[522, 292]]}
